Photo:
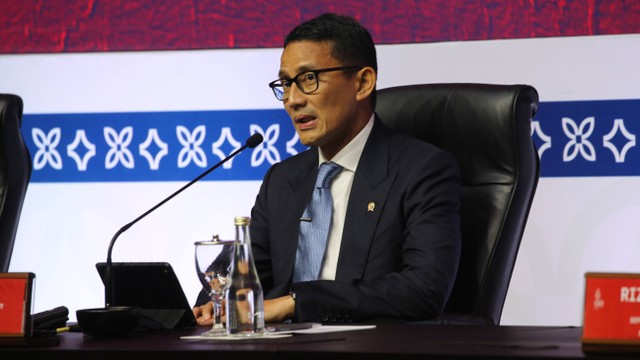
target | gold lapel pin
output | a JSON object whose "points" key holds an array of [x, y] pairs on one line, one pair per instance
{"points": [[371, 206]]}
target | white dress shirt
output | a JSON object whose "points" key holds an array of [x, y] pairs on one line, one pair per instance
{"points": [[348, 158]]}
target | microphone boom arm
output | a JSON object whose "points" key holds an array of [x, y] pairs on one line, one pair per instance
{"points": [[253, 141]]}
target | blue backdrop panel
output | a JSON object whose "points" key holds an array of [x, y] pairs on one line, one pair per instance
{"points": [[588, 138], [155, 146]]}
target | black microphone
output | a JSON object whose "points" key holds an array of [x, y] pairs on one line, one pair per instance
{"points": [[253, 141]]}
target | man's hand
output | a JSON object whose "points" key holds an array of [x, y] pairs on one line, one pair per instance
{"points": [[204, 314], [279, 310], [275, 311]]}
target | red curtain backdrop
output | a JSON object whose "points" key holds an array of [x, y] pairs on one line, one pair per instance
{"points": [[52, 26]]}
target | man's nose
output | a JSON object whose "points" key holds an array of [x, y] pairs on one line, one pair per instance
{"points": [[296, 96]]}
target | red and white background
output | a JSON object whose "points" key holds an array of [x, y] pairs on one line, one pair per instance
{"points": [[127, 100]]}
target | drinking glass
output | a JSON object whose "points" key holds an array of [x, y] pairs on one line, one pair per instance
{"points": [[213, 259]]}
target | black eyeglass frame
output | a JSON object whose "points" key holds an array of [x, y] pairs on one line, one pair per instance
{"points": [[274, 85]]}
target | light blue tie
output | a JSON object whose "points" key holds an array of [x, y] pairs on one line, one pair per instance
{"points": [[314, 226]]}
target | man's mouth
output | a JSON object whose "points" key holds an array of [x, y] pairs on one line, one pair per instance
{"points": [[303, 119]]}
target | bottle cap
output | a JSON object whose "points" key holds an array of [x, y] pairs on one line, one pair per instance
{"points": [[241, 220]]}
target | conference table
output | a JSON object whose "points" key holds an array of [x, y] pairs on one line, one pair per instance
{"points": [[385, 341]]}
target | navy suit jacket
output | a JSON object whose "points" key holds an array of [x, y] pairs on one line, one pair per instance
{"points": [[398, 261]]}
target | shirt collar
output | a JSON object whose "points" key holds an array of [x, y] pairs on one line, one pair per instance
{"points": [[349, 156]]}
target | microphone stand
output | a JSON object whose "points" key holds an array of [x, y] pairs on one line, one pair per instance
{"points": [[253, 141]]}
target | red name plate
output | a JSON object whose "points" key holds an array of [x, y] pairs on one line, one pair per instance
{"points": [[612, 310], [15, 304]]}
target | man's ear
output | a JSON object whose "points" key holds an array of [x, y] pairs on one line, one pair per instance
{"points": [[366, 82]]}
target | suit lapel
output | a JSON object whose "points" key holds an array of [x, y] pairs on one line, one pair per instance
{"points": [[371, 185], [300, 182]]}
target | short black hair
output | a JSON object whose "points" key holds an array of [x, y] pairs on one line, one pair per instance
{"points": [[352, 44]]}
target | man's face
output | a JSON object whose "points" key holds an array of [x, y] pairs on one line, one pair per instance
{"points": [[326, 117]]}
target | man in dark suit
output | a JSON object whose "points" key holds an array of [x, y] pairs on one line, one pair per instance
{"points": [[393, 245]]}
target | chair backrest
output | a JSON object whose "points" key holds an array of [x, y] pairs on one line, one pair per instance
{"points": [[15, 172], [488, 129]]}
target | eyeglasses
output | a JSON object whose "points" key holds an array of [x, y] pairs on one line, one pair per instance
{"points": [[306, 81]]}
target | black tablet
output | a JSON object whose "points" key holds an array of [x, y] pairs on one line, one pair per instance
{"points": [[153, 287]]}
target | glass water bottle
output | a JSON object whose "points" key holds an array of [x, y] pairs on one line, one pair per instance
{"points": [[244, 297]]}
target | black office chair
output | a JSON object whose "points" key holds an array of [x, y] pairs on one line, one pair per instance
{"points": [[15, 172], [488, 129]]}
